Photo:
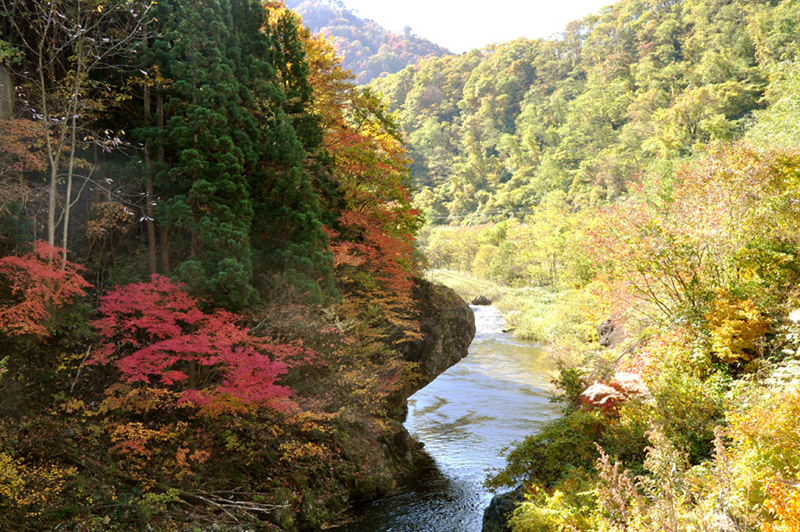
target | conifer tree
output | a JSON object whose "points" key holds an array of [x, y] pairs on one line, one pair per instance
{"points": [[208, 210], [288, 226], [234, 182]]}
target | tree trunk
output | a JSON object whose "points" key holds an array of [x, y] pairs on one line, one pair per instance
{"points": [[72, 148], [152, 257], [164, 234]]}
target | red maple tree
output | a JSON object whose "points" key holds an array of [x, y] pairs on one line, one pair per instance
{"points": [[37, 285], [158, 336]]}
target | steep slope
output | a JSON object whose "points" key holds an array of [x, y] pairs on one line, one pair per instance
{"points": [[367, 49]]}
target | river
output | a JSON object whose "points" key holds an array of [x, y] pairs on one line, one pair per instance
{"points": [[496, 395]]}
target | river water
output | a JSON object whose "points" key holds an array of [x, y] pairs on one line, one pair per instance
{"points": [[498, 394]]}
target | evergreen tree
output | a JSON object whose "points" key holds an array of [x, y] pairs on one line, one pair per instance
{"points": [[288, 225], [234, 165], [207, 146]]}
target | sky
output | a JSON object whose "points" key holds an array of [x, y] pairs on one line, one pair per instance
{"points": [[463, 25]]}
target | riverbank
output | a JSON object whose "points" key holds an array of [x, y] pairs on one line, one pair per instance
{"points": [[565, 319]]}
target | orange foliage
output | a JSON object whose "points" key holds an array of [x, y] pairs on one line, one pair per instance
{"points": [[21, 150], [21, 146], [375, 229], [783, 503], [37, 287], [110, 217]]}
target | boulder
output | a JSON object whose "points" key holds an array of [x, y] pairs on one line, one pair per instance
{"points": [[447, 325], [495, 517], [481, 300]]}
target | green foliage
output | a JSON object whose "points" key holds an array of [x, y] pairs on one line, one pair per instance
{"points": [[209, 137], [545, 248], [778, 125], [688, 394], [237, 127], [566, 449], [492, 132], [8, 53]]}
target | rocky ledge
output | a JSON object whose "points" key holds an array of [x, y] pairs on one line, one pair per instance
{"points": [[447, 325], [495, 517]]}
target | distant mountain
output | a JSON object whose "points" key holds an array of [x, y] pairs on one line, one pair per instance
{"points": [[367, 49]]}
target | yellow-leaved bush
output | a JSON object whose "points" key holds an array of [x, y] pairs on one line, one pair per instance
{"points": [[737, 327], [27, 490]]}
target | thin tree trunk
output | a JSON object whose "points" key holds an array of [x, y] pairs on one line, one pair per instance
{"points": [[72, 148], [152, 256], [164, 234], [53, 153], [53, 157]]}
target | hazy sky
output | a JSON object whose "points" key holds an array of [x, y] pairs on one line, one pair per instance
{"points": [[462, 25]]}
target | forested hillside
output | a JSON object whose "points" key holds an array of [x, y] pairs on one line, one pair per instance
{"points": [[366, 49], [627, 193], [205, 271], [637, 86]]}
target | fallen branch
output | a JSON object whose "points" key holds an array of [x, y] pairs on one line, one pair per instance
{"points": [[229, 506]]}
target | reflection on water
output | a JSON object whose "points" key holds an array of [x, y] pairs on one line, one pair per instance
{"points": [[466, 417]]}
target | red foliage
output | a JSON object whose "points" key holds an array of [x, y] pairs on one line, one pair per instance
{"points": [[38, 285], [158, 336], [372, 248], [21, 143], [376, 230]]}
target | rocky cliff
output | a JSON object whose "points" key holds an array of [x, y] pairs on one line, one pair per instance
{"points": [[448, 327]]}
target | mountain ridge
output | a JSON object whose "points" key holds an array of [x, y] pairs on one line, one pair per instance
{"points": [[366, 48]]}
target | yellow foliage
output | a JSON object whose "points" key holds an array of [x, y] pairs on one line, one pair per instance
{"points": [[29, 488], [784, 505], [73, 405], [737, 326], [296, 451], [766, 445], [556, 512]]}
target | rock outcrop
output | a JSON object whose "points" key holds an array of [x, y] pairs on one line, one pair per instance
{"points": [[447, 325], [379, 447], [610, 333], [495, 517]]}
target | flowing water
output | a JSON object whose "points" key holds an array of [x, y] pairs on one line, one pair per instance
{"points": [[498, 394]]}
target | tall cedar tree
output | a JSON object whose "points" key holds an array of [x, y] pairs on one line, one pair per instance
{"points": [[288, 228], [233, 167], [208, 140]]}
